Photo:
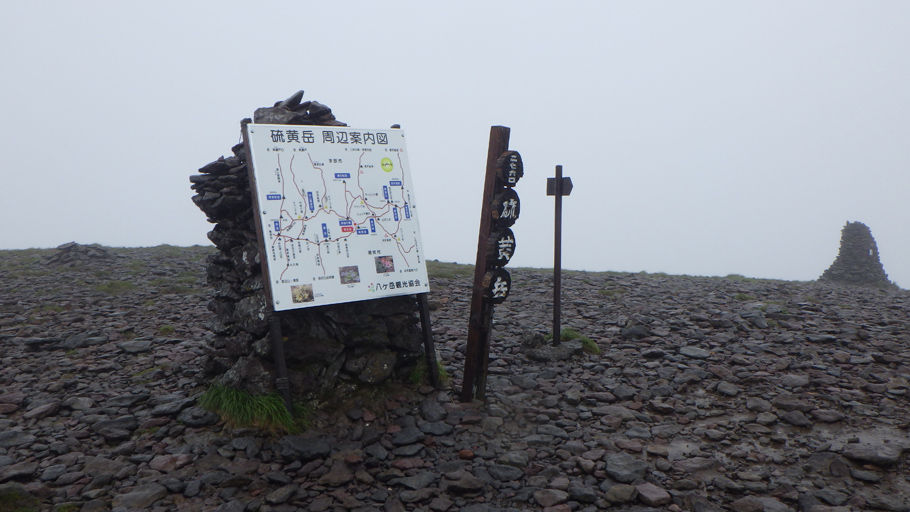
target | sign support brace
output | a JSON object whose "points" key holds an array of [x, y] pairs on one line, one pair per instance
{"points": [[429, 348]]}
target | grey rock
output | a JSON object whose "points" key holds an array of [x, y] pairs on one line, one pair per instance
{"points": [[78, 403], [304, 448], [652, 495], [117, 429], [231, 506], [794, 380], [621, 493], [18, 471], [135, 346], [436, 428], [881, 454], [431, 410], [127, 399], [51, 473], [504, 473], [12, 438], [465, 484], [140, 497], [796, 418], [552, 430], [407, 435], [831, 497], [759, 504], [172, 407], [694, 352], [727, 388], [418, 481], [582, 494], [518, 459], [625, 468], [338, 475], [281, 494], [197, 417], [550, 497]]}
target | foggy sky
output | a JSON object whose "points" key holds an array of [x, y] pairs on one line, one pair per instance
{"points": [[702, 137]]}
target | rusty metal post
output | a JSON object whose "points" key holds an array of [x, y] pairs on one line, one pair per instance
{"points": [[477, 351], [281, 379], [429, 347]]}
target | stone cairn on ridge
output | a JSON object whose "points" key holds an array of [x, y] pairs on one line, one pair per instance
{"points": [[72, 254], [857, 260], [325, 347]]}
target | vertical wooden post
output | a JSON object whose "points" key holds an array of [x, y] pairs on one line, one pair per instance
{"points": [[477, 351], [557, 260]]}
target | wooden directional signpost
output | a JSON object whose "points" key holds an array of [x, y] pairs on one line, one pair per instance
{"points": [[495, 247], [558, 187]]}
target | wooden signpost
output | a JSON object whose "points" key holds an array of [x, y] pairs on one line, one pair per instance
{"points": [[495, 247], [558, 187]]}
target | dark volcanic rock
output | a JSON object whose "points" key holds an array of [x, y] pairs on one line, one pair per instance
{"points": [[807, 413]]}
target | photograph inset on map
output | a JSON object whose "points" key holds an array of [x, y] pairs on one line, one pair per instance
{"points": [[384, 264], [302, 293], [349, 275]]}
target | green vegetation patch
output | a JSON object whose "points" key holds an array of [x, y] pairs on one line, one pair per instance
{"points": [[612, 292], [14, 498], [241, 409], [419, 375], [115, 287], [440, 269], [743, 297], [587, 344], [182, 285]]}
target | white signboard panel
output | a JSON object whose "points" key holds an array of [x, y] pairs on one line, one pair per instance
{"points": [[338, 214]]}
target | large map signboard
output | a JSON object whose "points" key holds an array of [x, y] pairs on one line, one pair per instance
{"points": [[338, 214]]}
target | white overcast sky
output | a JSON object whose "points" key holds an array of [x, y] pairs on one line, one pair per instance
{"points": [[703, 137]]}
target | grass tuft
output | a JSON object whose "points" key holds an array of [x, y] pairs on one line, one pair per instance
{"points": [[115, 287], [14, 498], [587, 344], [241, 409], [419, 374], [440, 269]]}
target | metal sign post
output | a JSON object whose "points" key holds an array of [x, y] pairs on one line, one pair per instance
{"points": [[495, 247], [558, 187]]}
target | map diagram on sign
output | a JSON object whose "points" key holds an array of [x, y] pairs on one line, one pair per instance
{"points": [[338, 214]]}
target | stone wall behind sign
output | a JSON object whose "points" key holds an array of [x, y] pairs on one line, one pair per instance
{"points": [[857, 260], [363, 342]]}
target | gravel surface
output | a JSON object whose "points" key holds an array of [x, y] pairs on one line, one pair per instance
{"points": [[709, 394]]}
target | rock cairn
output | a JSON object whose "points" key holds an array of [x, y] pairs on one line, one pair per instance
{"points": [[365, 342], [857, 260], [71, 254]]}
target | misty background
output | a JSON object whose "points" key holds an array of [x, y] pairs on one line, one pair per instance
{"points": [[703, 137]]}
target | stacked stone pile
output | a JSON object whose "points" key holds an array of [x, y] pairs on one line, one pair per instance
{"points": [[363, 342], [71, 254], [710, 394], [857, 260]]}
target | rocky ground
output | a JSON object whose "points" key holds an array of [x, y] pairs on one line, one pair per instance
{"points": [[709, 394]]}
